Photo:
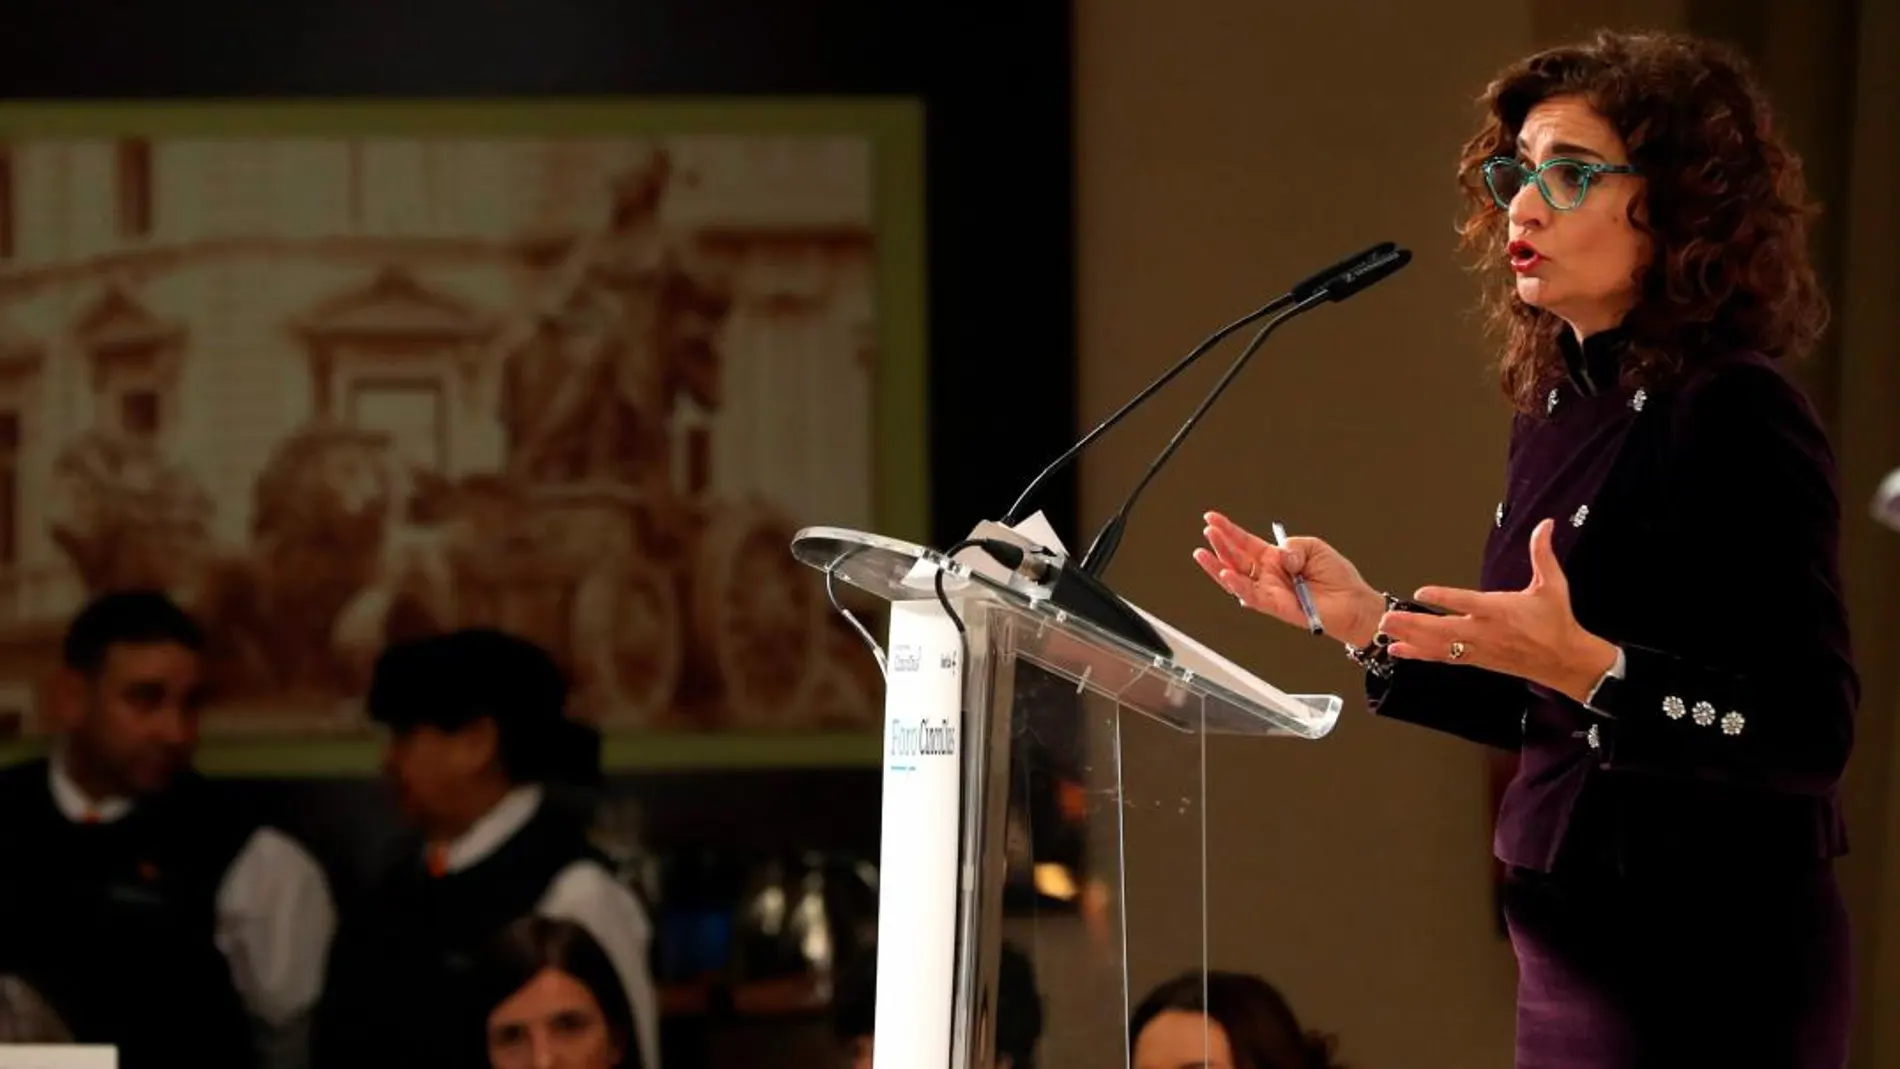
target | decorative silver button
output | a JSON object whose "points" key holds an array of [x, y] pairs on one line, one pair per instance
{"points": [[1732, 723], [1497, 518], [1582, 514], [1673, 708], [1703, 714], [1550, 403], [1636, 402], [1593, 738]]}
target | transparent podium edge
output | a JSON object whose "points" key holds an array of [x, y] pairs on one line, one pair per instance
{"points": [[1031, 599]]}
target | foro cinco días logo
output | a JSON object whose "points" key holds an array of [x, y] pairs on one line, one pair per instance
{"points": [[922, 737]]}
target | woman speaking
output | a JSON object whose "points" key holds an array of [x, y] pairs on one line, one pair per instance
{"points": [[1660, 629]]}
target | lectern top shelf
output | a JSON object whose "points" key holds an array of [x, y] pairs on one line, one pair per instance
{"points": [[1195, 689]]}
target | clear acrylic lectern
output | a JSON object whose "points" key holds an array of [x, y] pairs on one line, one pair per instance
{"points": [[1027, 815]]}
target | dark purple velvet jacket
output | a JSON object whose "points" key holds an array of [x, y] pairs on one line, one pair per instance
{"points": [[1699, 528]]}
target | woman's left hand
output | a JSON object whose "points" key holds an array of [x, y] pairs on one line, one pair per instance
{"points": [[1529, 633]]}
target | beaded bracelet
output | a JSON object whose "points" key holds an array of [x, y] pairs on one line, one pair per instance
{"points": [[1373, 657], [1376, 657]]}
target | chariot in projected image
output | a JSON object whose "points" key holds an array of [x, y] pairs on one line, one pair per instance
{"points": [[333, 391]]}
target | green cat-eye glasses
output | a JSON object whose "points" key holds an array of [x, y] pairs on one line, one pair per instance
{"points": [[1562, 181]]}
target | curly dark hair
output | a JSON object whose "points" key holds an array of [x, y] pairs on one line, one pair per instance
{"points": [[1262, 1032], [1723, 202]]}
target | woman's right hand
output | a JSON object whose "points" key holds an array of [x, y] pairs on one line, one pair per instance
{"points": [[1260, 575]]}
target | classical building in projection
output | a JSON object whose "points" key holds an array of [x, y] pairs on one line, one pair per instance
{"points": [[332, 389]]}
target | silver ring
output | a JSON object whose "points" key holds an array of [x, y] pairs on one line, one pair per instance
{"points": [[1457, 650]]}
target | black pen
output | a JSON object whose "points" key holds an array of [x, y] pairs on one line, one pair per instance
{"points": [[1299, 586]]}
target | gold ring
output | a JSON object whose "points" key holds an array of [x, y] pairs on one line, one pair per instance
{"points": [[1457, 650], [1253, 571]]}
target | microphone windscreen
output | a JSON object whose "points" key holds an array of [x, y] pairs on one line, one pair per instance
{"points": [[1324, 277]]}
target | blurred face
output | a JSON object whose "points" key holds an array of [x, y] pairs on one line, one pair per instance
{"points": [[134, 725], [431, 770], [1178, 1039], [552, 1022], [858, 1053], [1580, 263]]}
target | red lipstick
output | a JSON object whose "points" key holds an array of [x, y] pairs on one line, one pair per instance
{"points": [[1523, 255]]}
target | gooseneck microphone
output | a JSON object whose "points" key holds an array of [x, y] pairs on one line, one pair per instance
{"points": [[1318, 282], [1367, 270]]}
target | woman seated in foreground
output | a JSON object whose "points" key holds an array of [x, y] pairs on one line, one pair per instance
{"points": [[1222, 1020]]}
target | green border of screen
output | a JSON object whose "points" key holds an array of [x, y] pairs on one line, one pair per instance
{"points": [[895, 128]]}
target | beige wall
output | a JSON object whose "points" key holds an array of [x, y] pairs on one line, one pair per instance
{"points": [[1868, 433], [1226, 147]]}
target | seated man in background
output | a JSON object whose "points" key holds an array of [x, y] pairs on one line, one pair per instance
{"points": [[147, 907], [478, 726], [1018, 1011]]}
